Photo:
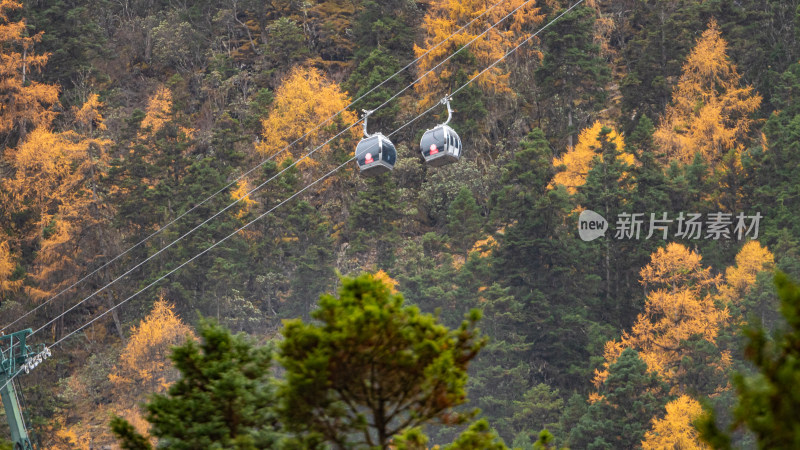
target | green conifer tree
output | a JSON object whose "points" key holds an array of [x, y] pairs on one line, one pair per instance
{"points": [[631, 397], [224, 398], [464, 221], [372, 367], [768, 400]]}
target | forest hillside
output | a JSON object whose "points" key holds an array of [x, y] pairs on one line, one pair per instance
{"points": [[174, 171]]}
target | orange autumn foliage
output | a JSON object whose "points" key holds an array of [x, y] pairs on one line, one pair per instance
{"points": [[25, 102], [88, 115], [485, 247], [752, 259], [53, 169], [159, 110], [710, 111], [246, 203], [444, 17], [674, 267], [56, 176], [144, 366], [44, 176], [675, 430], [680, 304], [384, 278], [578, 160], [304, 99]]}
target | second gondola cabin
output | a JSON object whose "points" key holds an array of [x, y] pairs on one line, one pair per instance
{"points": [[440, 145], [375, 155]]}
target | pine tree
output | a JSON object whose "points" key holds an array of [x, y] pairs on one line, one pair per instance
{"points": [[572, 75], [307, 245], [608, 190], [503, 369], [620, 415], [534, 257], [479, 436], [653, 193], [223, 399], [373, 70], [372, 368], [776, 171], [657, 40], [767, 400], [383, 32], [464, 221], [373, 222]]}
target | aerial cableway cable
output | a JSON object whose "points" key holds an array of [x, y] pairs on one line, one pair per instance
{"points": [[214, 245], [237, 201], [249, 171]]}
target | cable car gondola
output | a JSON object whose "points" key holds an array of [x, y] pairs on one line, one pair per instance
{"points": [[375, 154], [441, 144]]}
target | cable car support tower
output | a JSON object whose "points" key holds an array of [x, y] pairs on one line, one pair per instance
{"points": [[16, 356]]}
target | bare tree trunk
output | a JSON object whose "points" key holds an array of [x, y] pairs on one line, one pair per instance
{"points": [[24, 64]]}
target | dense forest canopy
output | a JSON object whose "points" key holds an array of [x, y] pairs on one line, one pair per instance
{"points": [[629, 184]]}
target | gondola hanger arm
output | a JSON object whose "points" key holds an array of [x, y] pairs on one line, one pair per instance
{"points": [[367, 112], [446, 101]]}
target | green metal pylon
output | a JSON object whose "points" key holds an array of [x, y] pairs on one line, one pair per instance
{"points": [[13, 356]]}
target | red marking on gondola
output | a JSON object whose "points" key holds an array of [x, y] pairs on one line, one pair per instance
{"points": [[434, 150]]}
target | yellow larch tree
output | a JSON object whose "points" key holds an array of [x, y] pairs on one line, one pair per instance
{"points": [[710, 110], [675, 430], [485, 247], [88, 115], [246, 203], [90, 124], [144, 366], [577, 160], [52, 169], [384, 278], [44, 171], [752, 259], [24, 102], [304, 100], [674, 267], [159, 111], [680, 304], [55, 176], [444, 17], [160, 114]]}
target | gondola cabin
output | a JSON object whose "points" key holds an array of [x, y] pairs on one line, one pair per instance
{"points": [[375, 155], [440, 145]]}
